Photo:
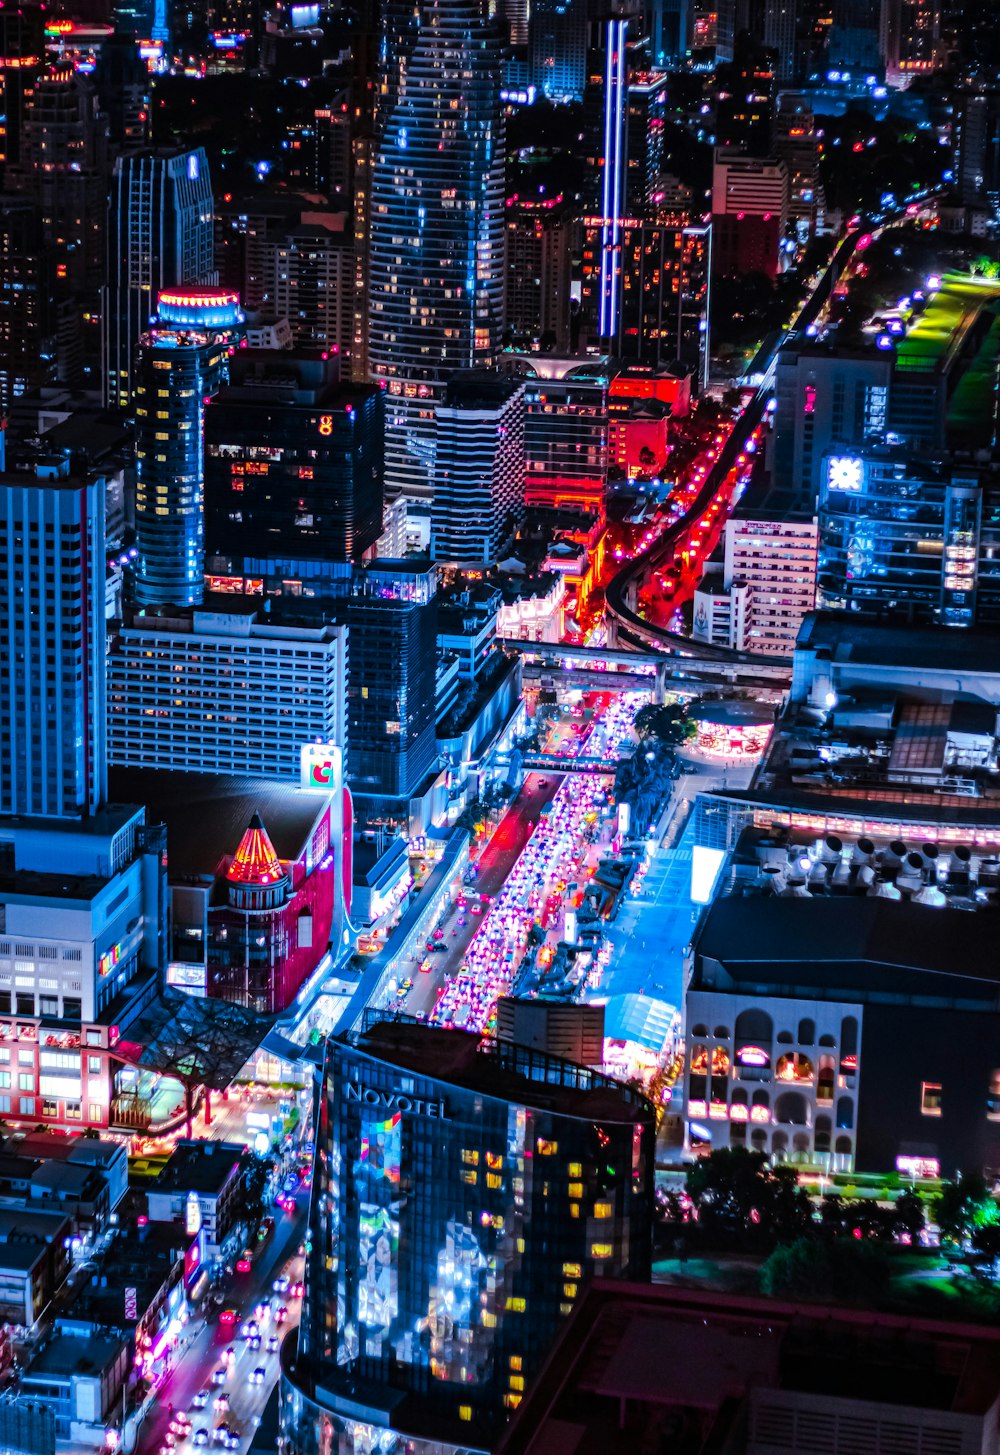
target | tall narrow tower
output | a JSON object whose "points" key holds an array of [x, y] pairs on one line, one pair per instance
{"points": [[436, 255]]}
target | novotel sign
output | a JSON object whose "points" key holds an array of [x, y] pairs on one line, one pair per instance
{"points": [[396, 1101]]}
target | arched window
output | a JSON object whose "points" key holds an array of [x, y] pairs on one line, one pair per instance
{"points": [[784, 1038], [843, 1147], [794, 1067], [845, 1113], [699, 1030], [720, 1061], [721, 1033], [779, 1143], [754, 1025], [807, 1031], [699, 1060], [825, 1080], [821, 1140], [827, 1040], [761, 1097], [758, 1137], [849, 1045], [791, 1108], [801, 1142], [739, 1096]]}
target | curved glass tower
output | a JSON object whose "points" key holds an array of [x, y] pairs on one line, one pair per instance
{"points": [[436, 260], [183, 360]]}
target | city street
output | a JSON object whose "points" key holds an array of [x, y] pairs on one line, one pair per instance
{"points": [[206, 1342]]}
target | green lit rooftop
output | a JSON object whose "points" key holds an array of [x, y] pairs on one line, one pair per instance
{"points": [[948, 316]]}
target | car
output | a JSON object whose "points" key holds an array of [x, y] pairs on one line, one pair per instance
{"points": [[229, 1356], [219, 1375], [296, 1290], [169, 1440], [280, 1284], [249, 1329], [201, 1399], [221, 1402], [280, 1314], [257, 1375], [254, 1343], [180, 1425], [425, 965], [273, 1344], [228, 1317], [200, 1437], [244, 1262]]}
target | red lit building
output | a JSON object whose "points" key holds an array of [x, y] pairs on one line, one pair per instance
{"points": [[259, 876], [749, 213]]}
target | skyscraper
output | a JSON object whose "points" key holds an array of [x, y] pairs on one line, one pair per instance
{"points": [[182, 361], [465, 1189], [160, 236], [437, 226], [27, 310], [22, 58], [52, 713], [479, 467]]}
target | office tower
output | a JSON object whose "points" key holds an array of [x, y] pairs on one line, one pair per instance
{"points": [[183, 360], [248, 229], [122, 82], [910, 38], [665, 266], [557, 48], [977, 147], [63, 167], [465, 1189], [436, 199], [744, 112], [715, 27], [22, 59], [478, 467], [566, 435], [52, 728], [27, 310], [224, 691], [797, 145], [670, 27], [312, 271], [767, 584], [855, 36], [749, 213], [159, 237], [538, 274], [294, 461], [825, 401], [614, 173], [780, 35]]}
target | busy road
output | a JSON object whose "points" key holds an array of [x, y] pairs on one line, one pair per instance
{"points": [[226, 1366]]}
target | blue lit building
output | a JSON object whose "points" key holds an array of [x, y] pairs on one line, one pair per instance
{"points": [[464, 1190], [183, 361], [437, 223], [614, 173]]}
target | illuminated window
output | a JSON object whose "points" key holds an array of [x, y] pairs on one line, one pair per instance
{"points": [[512, 1401], [471, 1159], [575, 1169], [465, 1412], [546, 1149], [493, 1179], [601, 1250], [930, 1098], [572, 1270], [494, 1161], [570, 1289], [470, 1178], [489, 1320], [574, 1209], [516, 1361], [520, 1245], [516, 1305], [517, 1381], [575, 1189], [604, 1210], [565, 1308]]}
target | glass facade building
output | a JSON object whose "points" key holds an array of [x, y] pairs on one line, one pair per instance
{"points": [[183, 361], [436, 218], [463, 1191]]}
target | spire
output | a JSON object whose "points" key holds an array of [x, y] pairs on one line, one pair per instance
{"points": [[255, 861]]}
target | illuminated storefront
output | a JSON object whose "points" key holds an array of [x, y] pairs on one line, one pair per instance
{"points": [[452, 1227], [737, 730]]}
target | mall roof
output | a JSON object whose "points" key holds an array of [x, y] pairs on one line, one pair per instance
{"points": [[499, 1069], [855, 946], [207, 814], [846, 638]]}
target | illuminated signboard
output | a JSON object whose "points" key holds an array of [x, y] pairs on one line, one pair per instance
{"points": [[753, 1056], [844, 472], [192, 1215], [319, 765]]}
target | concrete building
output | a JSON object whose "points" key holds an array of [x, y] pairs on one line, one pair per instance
{"points": [[537, 273], [52, 556], [221, 689], [749, 212], [769, 575], [313, 280], [207, 1176], [479, 467], [825, 399], [80, 1372]]}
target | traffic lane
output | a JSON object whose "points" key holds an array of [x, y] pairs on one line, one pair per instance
{"points": [[496, 862], [205, 1342]]}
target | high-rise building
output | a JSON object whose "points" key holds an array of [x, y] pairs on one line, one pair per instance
{"points": [[122, 81], [27, 309], [183, 360], [744, 110], [63, 167], [565, 432], [715, 27], [435, 269], [781, 36], [312, 270], [825, 401], [465, 1190], [479, 467], [557, 48], [538, 274], [749, 213], [670, 27], [768, 584], [22, 59], [910, 32], [797, 145], [294, 461], [53, 722], [160, 236], [977, 147], [224, 690]]}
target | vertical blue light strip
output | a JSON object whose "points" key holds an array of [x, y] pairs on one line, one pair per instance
{"points": [[615, 119]]}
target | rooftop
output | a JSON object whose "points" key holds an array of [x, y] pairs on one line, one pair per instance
{"points": [[629, 1355], [845, 637], [82, 1351], [499, 1069], [207, 814], [202, 1167]]}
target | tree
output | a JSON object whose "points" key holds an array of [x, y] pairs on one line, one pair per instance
{"points": [[669, 723], [256, 1177], [908, 1215], [820, 1271], [963, 1205]]}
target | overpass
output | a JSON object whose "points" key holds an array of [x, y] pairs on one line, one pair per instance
{"points": [[623, 589], [696, 668], [539, 762]]}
